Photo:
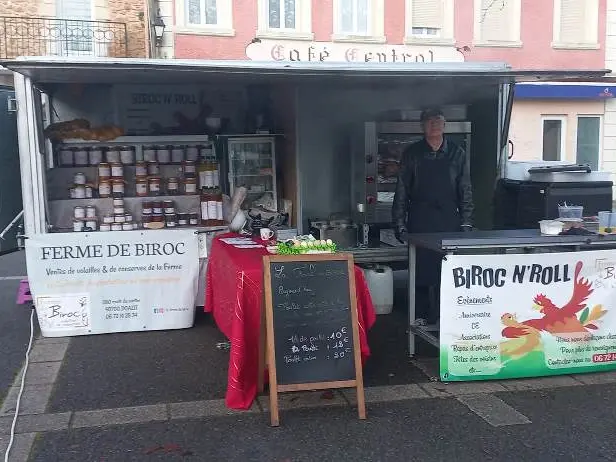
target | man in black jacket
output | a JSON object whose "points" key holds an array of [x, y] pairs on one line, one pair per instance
{"points": [[433, 195]]}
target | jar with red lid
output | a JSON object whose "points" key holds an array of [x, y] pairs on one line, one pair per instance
{"points": [[157, 208], [146, 208], [141, 186]]}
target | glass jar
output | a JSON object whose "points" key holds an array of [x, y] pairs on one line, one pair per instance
{"points": [[78, 225], [173, 186], [153, 168], [168, 207], [81, 157], [135, 225], [177, 154], [66, 157], [158, 218], [127, 226], [119, 218], [79, 212], [190, 186], [113, 155], [96, 156], [119, 210], [141, 186], [117, 170], [104, 171], [157, 208], [128, 217], [183, 219], [192, 153], [118, 202], [141, 168], [146, 208], [105, 227], [193, 219], [108, 219], [163, 154], [80, 191], [91, 225], [170, 220], [145, 219], [127, 155], [89, 193], [189, 168], [116, 227], [79, 178], [90, 211], [117, 187], [149, 154], [154, 185]]}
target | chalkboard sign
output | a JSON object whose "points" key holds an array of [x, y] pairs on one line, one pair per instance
{"points": [[311, 324]]}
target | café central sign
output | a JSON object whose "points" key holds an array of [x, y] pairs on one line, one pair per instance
{"points": [[290, 50]]}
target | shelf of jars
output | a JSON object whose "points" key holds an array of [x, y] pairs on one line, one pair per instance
{"points": [[119, 187]]}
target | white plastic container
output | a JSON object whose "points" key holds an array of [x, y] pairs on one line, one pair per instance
{"points": [[380, 280]]}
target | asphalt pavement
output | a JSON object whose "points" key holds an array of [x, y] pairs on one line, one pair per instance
{"points": [[573, 424], [14, 320]]}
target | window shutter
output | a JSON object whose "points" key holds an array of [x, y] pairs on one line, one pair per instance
{"points": [[572, 21], [496, 18], [427, 13]]}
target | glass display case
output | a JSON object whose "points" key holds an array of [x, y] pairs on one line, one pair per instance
{"points": [[251, 162]]}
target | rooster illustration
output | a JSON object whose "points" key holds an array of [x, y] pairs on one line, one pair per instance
{"points": [[561, 322], [524, 338]]}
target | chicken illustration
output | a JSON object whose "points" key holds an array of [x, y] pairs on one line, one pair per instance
{"points": [[524, 338], [563, 322]]}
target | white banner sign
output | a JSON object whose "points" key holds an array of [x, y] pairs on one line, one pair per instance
{"points": [[289, 50], [506, 316], [95, 283]]}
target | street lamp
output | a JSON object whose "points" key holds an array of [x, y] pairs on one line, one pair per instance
{"points": [[159, 29]]}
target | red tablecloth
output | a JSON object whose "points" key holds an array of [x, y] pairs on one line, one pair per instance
{"points": [[234, 296]]}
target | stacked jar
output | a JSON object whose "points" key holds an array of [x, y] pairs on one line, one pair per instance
{"points": [[85, 219], [80, 189]]}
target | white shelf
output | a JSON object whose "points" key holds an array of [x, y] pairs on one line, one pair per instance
{"points": [[121, 140]]}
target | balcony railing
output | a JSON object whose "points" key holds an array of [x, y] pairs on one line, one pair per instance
{"points": [[61, 37]]}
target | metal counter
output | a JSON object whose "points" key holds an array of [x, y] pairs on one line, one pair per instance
{"points": [[506, 241]]}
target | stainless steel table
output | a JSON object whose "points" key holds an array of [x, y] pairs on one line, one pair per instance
{"points": [[507, 241]]}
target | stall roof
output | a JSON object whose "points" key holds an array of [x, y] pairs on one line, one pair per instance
{"points": [[47, 70]]}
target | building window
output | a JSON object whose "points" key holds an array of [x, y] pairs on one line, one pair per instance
{"points": [[430, 21], [202, 12], [359, 20], [209, 17], [576, 24], [497, 22], [282, 14], [354, 17], [553, 131], [588, 141], [285, 18]]}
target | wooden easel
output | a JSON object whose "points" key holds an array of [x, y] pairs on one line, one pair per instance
{"points": [[267, 355]]}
